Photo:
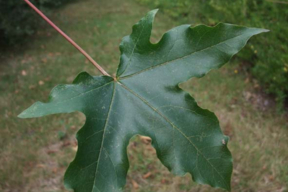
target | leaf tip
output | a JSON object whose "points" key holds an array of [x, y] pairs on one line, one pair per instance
{"points": [[152, 14], [21, 115], [24, 114], [32, 111], [154, 11], [263, 30]]}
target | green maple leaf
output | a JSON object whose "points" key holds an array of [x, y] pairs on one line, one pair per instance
{"points": [[146, 100]]}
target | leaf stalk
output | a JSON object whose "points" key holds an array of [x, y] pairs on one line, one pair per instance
{"points": [[68, 38]]}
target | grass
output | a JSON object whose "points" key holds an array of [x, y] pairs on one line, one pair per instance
{"points": [[34, 158]]}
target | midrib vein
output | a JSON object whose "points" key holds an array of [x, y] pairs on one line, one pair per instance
{"points": [[173, 126], [84, 93], [130, 58], [167, 62], [103, 138]]}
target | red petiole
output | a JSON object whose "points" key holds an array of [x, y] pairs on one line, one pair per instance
{"points": [[68, 38]]}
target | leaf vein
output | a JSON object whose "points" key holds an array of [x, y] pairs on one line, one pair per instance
{"points": [[81, 94], [175, 127], [106, 123], [167, 62], [133, 49]]}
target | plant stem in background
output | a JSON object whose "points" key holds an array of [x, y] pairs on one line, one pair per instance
{"points": [[68, 38]]}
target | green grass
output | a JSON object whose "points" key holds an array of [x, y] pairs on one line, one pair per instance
{"points": [[33, 158]]}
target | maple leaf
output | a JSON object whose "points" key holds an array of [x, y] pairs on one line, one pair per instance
{"points": [[145, 99]]}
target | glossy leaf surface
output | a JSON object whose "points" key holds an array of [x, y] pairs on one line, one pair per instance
{"points": [[147, 100]]}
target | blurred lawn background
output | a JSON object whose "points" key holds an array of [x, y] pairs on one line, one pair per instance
{"points": [[35, 153]]}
